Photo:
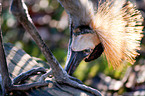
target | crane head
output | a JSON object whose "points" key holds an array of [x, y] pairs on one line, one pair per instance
{"points": [[85, 45], [115, 28]]}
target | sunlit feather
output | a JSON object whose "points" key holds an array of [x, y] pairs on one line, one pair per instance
{"points": [[119, 29]]}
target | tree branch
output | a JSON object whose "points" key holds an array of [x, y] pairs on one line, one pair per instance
{"points": [[6, 81], [23, 87], [27, 74], [19, 9]]}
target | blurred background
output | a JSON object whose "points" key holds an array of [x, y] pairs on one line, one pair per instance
{"points": [[52, 22]]}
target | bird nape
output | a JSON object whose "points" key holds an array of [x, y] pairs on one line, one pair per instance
{"points": [[114, 29]]}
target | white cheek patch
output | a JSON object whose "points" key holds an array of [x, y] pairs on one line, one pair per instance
{"points": [[84, 41]]}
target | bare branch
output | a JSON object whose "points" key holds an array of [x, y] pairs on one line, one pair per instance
{"points": [[19, 9], [6, 81], [44, 76], [27, 74], [27, 86], [83, 87]]}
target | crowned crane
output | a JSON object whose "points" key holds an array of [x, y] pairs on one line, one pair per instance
{"points": [[114, 29]]}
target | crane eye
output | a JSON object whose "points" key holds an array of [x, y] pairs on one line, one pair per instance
{"points": [[87, 51]]}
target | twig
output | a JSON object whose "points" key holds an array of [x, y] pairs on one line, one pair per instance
{"points": [[75, 79], [83, 87], [44, 76], [6, 81], [23, 87], [27, 74]]}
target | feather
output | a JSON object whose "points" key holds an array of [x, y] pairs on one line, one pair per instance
{"points": [[80, 11], [119, 29]]}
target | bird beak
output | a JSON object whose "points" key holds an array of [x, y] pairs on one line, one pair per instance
{"points": [[75, 58]]}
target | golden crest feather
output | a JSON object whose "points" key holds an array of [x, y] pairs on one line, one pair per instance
{"points": [[119, 29]]}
